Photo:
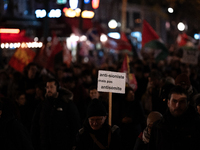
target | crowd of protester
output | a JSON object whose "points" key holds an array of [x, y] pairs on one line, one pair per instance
{"points": [[26, 94]]}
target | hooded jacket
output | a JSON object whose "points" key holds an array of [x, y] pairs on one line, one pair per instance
{"points": [[59, 122]]}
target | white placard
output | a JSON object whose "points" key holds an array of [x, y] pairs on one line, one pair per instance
{"points": [[109, 81], [190, 57]]}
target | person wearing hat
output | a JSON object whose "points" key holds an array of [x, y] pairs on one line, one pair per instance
{"points": [[143, 139], [180, 126], [96, 133]]}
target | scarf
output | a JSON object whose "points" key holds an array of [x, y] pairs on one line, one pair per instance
{"points": [[145, 136]]}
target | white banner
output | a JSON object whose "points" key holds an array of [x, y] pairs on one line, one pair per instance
{"points": [[109, 81]]}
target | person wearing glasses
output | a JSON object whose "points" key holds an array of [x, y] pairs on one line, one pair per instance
{"points": [[96, 133]]}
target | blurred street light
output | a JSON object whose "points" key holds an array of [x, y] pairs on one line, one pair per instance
{"points": [[181, 26], [170, 10], [112, 24], [103, 38]]}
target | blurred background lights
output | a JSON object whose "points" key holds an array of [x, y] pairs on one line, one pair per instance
{"points": [[196, 36], [36, 39], [137, 35], [61, 1], [114, 35], [86, 1], [103, 38], [83, 38], [181, 26], [54, 13], [73, 37], [95, 4], [112, 24], [23, 45], [87, 14], [2, 45], [40, 13], [73, 4], [9, 30], [170, 10]]}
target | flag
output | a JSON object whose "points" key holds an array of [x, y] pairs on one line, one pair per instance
{"points": [[46, 56], [117, 44], [56, 47], [21, 58], [42, 56], [66, 55], [148, 33], [151, 40], [130, 77], [183, 40]]}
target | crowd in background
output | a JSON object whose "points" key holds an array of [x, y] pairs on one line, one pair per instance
{"points": [[26, 90]]}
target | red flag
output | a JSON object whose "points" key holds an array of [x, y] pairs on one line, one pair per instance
{"points": [[66, 55], [125, 65], [21, 58], [130, 77], [124, 37], [148, 33], [117, 44], [182, 39], [56, 47], [42, 56]]}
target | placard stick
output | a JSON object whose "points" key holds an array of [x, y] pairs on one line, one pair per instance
{"points": [[110, 109]]}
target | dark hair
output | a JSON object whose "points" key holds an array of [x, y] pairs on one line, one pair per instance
{"points": [[178, 90], [56, 82], [19, 93], [127, 89], [154, 74], [93, 87]]}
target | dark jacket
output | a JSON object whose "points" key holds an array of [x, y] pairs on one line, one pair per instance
{"points": [[139, 143], [172, 133], [86, 142], [59, 122], [13, 135]]}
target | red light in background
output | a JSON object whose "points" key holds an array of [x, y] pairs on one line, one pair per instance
{"points": [[65, 9], [7, 30], [95, 4]]}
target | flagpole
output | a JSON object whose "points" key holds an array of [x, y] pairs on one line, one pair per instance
{"points": [[123, 21], [110, 109]]}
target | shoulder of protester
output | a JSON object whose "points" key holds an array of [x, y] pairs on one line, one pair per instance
{"points": [[113, 129], [65, 94]]}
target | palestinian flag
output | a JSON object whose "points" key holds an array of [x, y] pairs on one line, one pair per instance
{"points": [[152, 42]]}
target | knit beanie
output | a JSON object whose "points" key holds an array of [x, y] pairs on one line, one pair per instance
{"points": [[153, 116], [96, 108], [182, 79]]}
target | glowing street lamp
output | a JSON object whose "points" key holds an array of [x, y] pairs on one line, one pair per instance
{"points": [[181, 26], [170, 10], [112, 24]]}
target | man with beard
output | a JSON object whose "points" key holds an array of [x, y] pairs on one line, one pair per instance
{"points": [[180, 126], [58, 119]]}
